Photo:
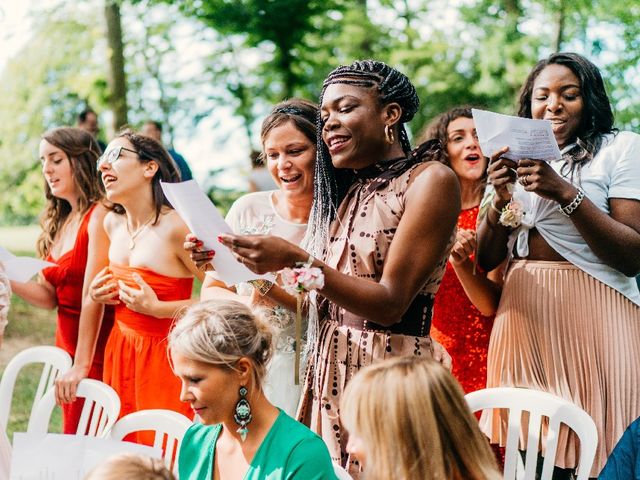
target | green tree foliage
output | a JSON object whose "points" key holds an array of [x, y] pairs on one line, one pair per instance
{"points": [[44, 85]]}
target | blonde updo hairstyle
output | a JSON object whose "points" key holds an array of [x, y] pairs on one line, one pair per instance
{"points": [[413, 421], [221, 332]]}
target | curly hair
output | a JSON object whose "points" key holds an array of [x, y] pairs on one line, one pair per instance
{"points": [[82, 151], [597, 116], [331, 184], [151, 150]]}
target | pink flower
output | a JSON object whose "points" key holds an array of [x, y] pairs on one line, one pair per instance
{"points": [[301, 279], [512, 214]]}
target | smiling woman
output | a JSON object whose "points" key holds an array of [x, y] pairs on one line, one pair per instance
{"points": [[568, 321], [149, 277]]}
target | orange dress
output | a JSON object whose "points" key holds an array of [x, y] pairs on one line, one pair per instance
{"points": [[136, 363], [458, 325], [68, 278]]}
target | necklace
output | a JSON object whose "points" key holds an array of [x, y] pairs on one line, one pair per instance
{"points": [[138, 231]]}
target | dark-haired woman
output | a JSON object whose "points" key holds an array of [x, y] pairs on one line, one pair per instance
{"points": [[569, 317], [379, 286], [288, 137], [72, 237], [467, 299], [149, 278]]}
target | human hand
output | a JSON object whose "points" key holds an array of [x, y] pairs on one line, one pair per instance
{"points": [[464, 247], [501, 174], [103, 288], [143, 300], [199, 256], [66, 385], [441, 355], [539, 177], [263, 253]]}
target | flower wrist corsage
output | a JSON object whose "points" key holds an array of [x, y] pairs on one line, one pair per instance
{"points": [[296, 281], [511, 214]]}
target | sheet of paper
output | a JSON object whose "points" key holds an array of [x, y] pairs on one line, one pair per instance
{"points": [[21, 269], [55, 456], [206, 223], [525, 137]]}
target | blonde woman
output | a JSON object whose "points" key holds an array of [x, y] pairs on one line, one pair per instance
{"points": [[128, 466], [220, 350], [407, 419]]}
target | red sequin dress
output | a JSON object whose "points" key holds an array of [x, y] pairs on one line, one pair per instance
{"points": [[459, 326]]}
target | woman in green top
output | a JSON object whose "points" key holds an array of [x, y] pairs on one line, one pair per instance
{"points": [[220, 350]]}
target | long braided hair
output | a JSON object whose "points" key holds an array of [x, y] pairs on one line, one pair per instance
{"points": [[331, 184]]}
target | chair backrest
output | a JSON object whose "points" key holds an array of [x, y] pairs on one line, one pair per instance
{"points": [[55, 362], [169, 428], [99, 413], [341, 473], [538, 404]]}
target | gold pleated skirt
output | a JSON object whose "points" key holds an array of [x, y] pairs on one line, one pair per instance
{"points": [[560, 330]]}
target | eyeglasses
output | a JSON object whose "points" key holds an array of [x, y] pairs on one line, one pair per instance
{"points": [[112, 155]]}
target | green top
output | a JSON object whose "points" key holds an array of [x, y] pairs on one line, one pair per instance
{"points": [[289, 451]]}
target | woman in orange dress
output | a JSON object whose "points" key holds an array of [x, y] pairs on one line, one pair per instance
{"points": [[149, 277], [467, 299], [72, 237]]}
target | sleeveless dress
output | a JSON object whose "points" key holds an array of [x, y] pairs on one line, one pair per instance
{"points": [[255, 214], [136, 359], [458, 325], [359, 240], [68, 277]]}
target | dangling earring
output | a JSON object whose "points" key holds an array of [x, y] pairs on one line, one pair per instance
{"points": [[388, 135], [242, 415]]}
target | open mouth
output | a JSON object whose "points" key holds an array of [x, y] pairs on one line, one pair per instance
{"points": [[108, 180], [474, 157], [336, 143], [291, 178], [53, 182]]}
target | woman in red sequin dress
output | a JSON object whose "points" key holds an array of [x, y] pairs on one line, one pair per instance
{"points": [[466, 301], [73, 238]]}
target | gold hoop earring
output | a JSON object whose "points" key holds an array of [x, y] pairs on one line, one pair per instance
{"points": [[388, 135]]}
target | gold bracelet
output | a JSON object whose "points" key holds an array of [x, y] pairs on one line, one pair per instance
{"points": [[262, 286]]}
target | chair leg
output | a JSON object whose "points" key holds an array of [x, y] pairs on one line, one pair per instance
{"points": [[558, 473]]}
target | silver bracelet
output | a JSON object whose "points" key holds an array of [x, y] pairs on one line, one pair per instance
{"points": [[569, 209]]}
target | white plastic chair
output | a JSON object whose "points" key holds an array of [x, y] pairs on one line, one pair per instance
{"points": [[99, 413], [165, 423], [341, 473], [538, 404], [55, 362]]}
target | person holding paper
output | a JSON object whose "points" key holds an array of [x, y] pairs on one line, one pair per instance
{"points": [[289, 148], [149, 277], [220, 350], [379, 280], [569, 317], [467, 298], [73, 238]]}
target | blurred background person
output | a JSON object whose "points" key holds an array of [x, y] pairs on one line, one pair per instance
{"points": [[153, 129], [87, 120], [407, 419], [260, 179]]}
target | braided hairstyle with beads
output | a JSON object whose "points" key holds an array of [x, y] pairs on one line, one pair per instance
{"points": [[331, 184]]}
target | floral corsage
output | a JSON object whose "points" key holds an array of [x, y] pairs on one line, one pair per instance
{"points": [[512, 213], [297, 281]]}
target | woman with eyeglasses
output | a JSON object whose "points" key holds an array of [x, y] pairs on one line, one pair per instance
{"points": [[149, 277], [74, 239]]}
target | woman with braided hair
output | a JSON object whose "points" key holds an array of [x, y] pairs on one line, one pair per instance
{"points": [[372, 201]]}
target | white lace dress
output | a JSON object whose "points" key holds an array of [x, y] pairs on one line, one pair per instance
{"points": [[255, 214]]}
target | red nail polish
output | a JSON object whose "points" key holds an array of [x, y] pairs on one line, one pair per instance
{"points": [[220, 238], [211, 254]]}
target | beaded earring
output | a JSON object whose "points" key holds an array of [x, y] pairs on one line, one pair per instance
{"points": [[242, 415]]}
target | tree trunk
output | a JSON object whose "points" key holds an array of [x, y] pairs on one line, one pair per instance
{"points": [[117, 80], [559, 30]]}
